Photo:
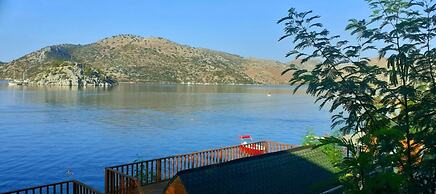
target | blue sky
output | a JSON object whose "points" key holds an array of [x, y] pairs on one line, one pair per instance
{"points": [[244, 27]]}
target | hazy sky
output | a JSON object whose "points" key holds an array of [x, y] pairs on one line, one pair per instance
{"points": [[244, 27]]}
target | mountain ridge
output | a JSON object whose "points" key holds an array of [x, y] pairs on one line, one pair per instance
{"points": [[134, 58]]}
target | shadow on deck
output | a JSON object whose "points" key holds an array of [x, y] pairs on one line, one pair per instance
{"points": [[299, 170]]}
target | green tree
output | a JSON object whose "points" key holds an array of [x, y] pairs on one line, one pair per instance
{"points": [[333, 152], [391, 108]]}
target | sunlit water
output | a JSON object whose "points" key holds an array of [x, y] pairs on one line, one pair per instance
{"points": [[45, 131]]}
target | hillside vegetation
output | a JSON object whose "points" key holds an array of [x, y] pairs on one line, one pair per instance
{"points": [[129, 58]]}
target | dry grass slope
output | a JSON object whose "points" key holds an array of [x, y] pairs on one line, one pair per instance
{"points": [[137, 59]]}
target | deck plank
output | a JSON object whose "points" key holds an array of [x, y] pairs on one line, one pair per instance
{"points": [[155, 188]]}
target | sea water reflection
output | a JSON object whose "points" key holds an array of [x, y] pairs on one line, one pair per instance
{"points": [[45, 131]]}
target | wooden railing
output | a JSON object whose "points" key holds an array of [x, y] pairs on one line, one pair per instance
{"points": [[162, 169], [120, 183], [66, 187], [272, 146]]}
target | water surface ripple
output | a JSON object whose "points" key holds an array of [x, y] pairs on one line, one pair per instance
{"points": [[44, 131]]}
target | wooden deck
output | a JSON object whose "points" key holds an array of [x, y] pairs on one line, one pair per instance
{"points": [[152, 175], [155, 188]]}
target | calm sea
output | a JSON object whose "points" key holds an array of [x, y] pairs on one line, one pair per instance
{"points": [[47, 131]]}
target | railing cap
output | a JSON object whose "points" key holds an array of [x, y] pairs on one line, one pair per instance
{"points": [[203, 151]]}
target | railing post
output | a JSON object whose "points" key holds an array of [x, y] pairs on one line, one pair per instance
{"points": [[158, 170], [266, 146], [141, 173], [147, 173], [122, 185], [74, 188], [106, 181]]}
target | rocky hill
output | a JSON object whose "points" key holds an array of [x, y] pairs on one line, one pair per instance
{"points": [[129, 58], [67, 73]]}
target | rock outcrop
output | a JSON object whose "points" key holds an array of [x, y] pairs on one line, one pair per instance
{"points": [[69, 74]]}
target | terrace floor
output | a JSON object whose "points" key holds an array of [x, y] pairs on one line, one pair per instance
{"points": [[155, 188], [159, 171]]}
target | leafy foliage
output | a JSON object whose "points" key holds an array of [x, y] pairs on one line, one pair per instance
{"points": [[333, 152], [388, 110]]}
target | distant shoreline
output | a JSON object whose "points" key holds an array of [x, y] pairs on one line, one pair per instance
{"points": [[155, 83], [203, 84]]}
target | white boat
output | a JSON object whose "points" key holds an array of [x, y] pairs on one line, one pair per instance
{"points": [[12, 83], [21, 82], [18, 83]]}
